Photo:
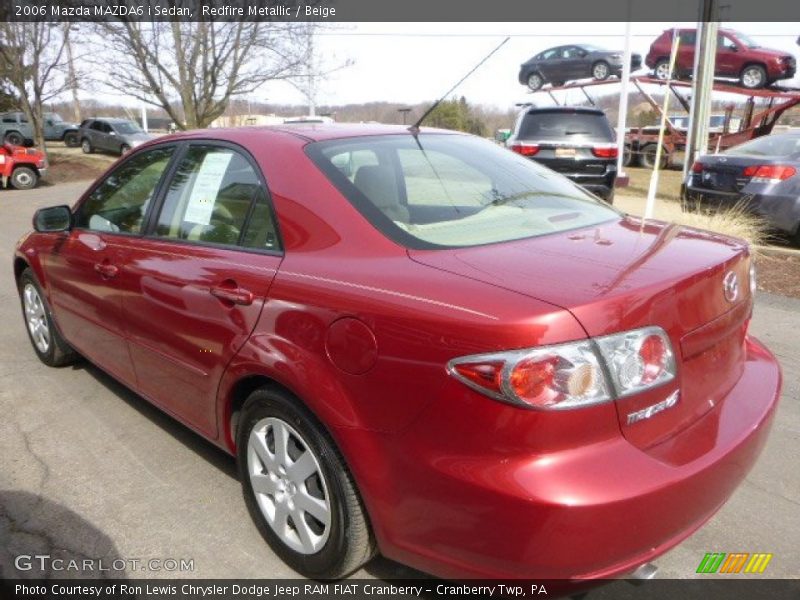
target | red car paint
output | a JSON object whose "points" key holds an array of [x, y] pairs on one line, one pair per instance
{"points": [[778, 64], [12, 157], [361, 330]]}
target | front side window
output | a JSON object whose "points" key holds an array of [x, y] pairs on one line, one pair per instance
{"points": [[211, 197], [120, 202], [440, 190]]}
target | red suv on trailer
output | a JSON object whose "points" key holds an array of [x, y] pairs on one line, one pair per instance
{"points": [[738, 57]]}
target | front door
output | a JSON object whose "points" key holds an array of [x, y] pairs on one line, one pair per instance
{"points": [[194, 287], [85, 268]]}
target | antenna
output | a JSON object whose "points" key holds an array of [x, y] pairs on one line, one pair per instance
{"points": [[415, 127]]}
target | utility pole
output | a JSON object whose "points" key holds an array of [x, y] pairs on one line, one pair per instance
{"points": [[622, 176], [73, 78], [703, 82]]}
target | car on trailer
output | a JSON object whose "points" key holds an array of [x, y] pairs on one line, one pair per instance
{"points": [[575, 61]]}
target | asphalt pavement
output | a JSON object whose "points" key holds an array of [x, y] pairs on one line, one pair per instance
{"points": [[90, 470]]}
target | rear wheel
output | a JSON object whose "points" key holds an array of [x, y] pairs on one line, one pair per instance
{"points": [[753, 77], [661, 70], [648, 157], [15, 138], [298, 489], [71, 139], [535, 81], [24, 178], [86, 146], [601, 70], [52, 349], [629, 157]]}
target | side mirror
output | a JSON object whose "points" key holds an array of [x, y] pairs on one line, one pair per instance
{"points": [[112, 132], [52, 219], [583, 53], [734, 48]]}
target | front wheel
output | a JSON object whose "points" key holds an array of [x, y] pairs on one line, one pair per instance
{"points": [[24, 178], [601, 70], [71, 139], [753, 77], [52, 349], [648, 157], [535, 81], [298, 489]]}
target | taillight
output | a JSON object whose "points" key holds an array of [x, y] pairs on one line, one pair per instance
{"points": [[571, 375], [605, 151], [769, 173], [525, 149], [697, 167]]}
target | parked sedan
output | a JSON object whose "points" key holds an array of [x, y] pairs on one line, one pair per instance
{"points": [[416, 343], [112, 135], [761, 174], [566, 63]]}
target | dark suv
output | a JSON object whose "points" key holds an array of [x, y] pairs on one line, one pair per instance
{"points": [[577, 142]]}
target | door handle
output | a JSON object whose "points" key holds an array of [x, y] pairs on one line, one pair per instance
{"points": [[106, 269], [235, 295]]}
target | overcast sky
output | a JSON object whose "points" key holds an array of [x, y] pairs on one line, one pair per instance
{"points": [[416, 62]]}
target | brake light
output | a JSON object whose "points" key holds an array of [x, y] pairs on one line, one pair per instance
{"points": [[571, 375], [525, 149], [769, 173], [605, 151], [697, 167]]}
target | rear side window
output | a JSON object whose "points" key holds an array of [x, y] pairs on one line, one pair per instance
{"points": [[213, 196], [120, 202], [567, 126], [444, 191]]}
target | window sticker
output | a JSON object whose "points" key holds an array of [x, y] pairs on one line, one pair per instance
{"points": [[206, 187]]}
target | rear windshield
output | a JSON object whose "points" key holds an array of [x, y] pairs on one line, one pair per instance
{"points": [[769, 145], [445, 191], [572, 126]]}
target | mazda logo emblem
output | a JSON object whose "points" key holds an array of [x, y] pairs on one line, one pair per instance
{"points": [[730, 286]]}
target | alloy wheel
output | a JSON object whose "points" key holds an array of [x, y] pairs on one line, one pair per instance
{"points": [[662, 71], [600, 71], [36, 318], [752, 77], [289, 485]]}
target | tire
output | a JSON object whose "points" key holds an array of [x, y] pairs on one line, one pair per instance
{"points": [[629, 158], [661, 70], [535, 81], [328, 551], [15, 138], [124, 149], [24, 178], [601, 70], [86, 146], [753, 77], [71, 139], [648, 156], [51, 348]]}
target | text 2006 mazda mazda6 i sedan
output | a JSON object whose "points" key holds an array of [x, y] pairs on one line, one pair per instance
{"points": [[417, 343]]}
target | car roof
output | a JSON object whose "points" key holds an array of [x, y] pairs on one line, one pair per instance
{"points": [[564, 109], [313, 132]]}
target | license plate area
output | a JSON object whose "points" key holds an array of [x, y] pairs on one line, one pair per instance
{"points": [[565, 152]]}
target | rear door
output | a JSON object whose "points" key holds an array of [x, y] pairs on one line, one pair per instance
{"points": [[194, 287]]}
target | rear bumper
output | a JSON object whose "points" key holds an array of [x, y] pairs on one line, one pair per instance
{"points": [[595, 511], [781, 211]]}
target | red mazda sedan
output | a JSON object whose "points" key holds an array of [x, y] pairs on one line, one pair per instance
{"points": [[417, 343]]}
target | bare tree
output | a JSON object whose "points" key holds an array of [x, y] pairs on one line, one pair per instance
{"points": [[193, 69], [32, 62]]}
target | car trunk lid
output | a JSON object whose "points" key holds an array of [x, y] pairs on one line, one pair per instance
{"points": [[628, 274]]}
